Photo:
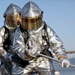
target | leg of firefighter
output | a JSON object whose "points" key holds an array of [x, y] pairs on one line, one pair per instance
{"points": [[44, 67], [30, 69], [17, 70], [2, 68], [27, 70], [2, 71]]}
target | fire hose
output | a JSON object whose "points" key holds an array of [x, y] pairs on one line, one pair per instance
{"points": [[71, 65]]}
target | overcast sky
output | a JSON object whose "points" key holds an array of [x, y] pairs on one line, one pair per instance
{"points": [[58, 14]]}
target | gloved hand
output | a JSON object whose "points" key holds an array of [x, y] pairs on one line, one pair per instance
{"points": [[3, 53], [64, 63]]}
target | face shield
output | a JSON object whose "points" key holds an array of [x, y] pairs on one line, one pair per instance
{"points": [[31, 16], [12, 16], [31, 23], [13, 20]]}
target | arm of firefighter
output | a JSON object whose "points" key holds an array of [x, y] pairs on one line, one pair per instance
{"points": [[3, 52], [56, 44], [18, 45]]}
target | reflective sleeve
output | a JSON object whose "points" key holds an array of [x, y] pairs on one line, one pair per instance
{"points": [[56, 44], [2, 50], [18, 44]]}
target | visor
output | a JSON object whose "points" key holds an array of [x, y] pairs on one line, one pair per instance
{"points": [[13, 20], [31, 23]]}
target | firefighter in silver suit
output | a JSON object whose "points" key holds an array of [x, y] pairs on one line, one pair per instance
{"points": [[11, 22], [35, 37]]}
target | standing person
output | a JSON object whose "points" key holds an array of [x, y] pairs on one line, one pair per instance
{"points": [[12, 21], [35, 37]]}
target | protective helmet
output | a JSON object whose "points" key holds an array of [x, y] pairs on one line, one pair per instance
{"points": [[31, 16], [12, 16]]}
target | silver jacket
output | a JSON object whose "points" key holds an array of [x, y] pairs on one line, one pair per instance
{"points": [[4, 47], [36, 44], [3, 37], [29, 48], [7, 52]]}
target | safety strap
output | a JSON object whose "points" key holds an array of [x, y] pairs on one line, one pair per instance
{"points": [[7, 41]]}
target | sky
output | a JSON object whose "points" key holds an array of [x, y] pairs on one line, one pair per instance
{"points": [[58, 14]]}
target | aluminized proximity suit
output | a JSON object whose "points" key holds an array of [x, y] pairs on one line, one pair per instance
{"points": [[12, 21], [35, 37], [35, 45], [4, 46]]}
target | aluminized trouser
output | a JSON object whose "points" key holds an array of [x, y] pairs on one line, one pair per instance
{"points": [[3, 71], [41, 65]]}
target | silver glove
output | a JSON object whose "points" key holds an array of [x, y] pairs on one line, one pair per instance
{"points": [[64, 63]]}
